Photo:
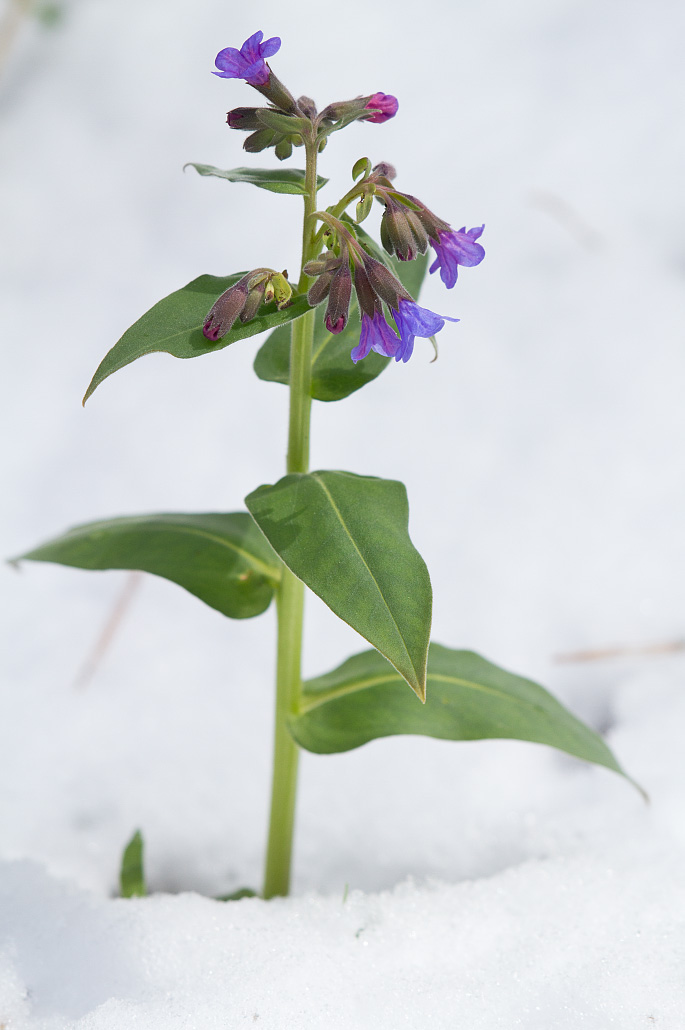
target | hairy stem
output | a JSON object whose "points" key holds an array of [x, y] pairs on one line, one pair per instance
{"points": [[290, 595]]}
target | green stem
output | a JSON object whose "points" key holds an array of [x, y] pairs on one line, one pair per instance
{"points": [[290, 594]]}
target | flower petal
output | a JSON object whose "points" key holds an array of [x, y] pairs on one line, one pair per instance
{"points": [[251, 49], [271, 47], [231, 62]]}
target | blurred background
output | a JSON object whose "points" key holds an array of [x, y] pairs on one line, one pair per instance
{"points": [[542, 452]]}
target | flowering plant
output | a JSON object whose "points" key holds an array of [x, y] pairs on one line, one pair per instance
{"points": [[344, 536]]}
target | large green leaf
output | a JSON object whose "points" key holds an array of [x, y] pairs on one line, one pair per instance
{"points": [[174, 325], [346, 537], [468, 698], [277, 180], [334, 374], [222, 559]]}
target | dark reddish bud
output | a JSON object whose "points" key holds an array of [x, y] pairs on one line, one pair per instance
{"points": [[386, 170], [339, 296], [224, 312], [366, 295], [244, 118], [318, 291], [307, 107], [384, 283]]}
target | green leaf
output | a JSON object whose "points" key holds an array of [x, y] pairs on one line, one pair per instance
{"points": [[174, 325], [222, 559], [467, 698], [132, 872], [334, 374], [242, 892], [346, 537], [277, 180]]}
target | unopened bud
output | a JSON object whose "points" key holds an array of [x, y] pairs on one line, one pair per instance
{"points": [[366, 294], [384, 106], [243, 118], [384, 283], [418, 231], [339, 298], [254, 301], [318, 291], [398, 233], [254, 279], [225, 311], [385, 169], [307, 107]]}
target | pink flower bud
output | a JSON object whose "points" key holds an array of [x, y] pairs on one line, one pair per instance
{"points": [[384, 106]]}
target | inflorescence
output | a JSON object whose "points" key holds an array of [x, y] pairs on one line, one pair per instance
{"points": [[408, 227]]}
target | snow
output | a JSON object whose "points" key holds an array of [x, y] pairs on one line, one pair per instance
{"points": [[481, 885]]}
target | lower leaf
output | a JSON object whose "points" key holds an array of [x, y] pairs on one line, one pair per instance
{"points": [[467, 698]]}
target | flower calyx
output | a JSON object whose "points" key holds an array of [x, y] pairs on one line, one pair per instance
{"points": [[243, 300]]}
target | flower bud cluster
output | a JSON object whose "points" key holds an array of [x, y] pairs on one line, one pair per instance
{"points": [[408, 227], [244, 298], [287, 122]]}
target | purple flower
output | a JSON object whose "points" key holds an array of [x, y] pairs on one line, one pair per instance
{"points": [[376, 335], [412, 321], [385, 106], [249, 62], [454, 249]]}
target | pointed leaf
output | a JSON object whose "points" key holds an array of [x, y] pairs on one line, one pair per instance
{"points": [[346, 537], [174, 325], [467, 698], [334, 374], [276, 180], [132, 872], [222, 559]]}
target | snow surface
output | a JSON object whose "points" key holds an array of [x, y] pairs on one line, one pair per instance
{"points": [[479, 885]]}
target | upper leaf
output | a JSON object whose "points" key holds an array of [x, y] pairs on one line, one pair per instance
{"points": [[222, 559], [334, 374], [468, 698], [174, 325], [346, 537], [277, 180]]}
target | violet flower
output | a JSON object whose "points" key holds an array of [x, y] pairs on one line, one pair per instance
{"points": [[384, 105], [454, 249], [249, 62], [376, 335], [412, 320]]}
